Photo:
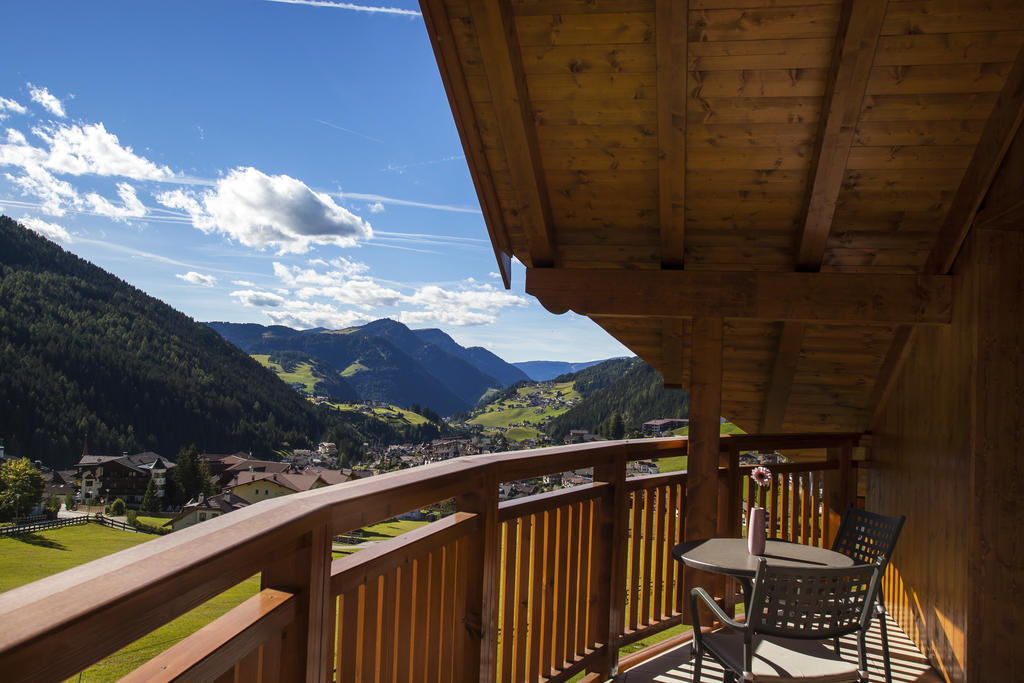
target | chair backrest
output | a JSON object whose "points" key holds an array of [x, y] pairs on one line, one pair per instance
{"points": [[797, 602], [867, 536]]}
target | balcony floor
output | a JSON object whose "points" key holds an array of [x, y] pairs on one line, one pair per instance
{"points": [[908, 664]]}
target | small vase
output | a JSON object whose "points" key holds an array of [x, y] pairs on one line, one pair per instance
{"points": [[756, 531]]}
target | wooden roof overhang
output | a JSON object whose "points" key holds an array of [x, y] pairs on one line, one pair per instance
{"points": [[805, 170]]}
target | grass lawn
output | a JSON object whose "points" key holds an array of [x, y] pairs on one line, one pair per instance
{"points": [[302, 374], [678, 463], [520, 433], [24, 559], [153, 521]]}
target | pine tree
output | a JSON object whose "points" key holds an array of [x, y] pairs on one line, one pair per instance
{"points": [[151, 501]]}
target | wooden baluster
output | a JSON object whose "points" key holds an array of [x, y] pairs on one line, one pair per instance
{"points": [[523, 582], [648, 545], [478, 626], [680, 584], [815, 513], [348, 629], [537, 596], [550, 556], [434, 615], [785, 517], [369, 619], [451, 589], [406, 607], [608, 564], [421, 610], [659, 555], [673, 539], [583, 633], [510, 530], [308, 640], [575, 597], [775, 512], [635, 580], [805, 484]]}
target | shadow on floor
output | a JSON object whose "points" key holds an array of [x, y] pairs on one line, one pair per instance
{"points": [[908, 664]]}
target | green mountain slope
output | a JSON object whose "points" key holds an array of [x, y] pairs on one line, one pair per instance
{"points": [[85, 354], [637, 394], [316, 377]]}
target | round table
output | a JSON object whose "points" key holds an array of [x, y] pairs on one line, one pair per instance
{"points": [[730, 556]]}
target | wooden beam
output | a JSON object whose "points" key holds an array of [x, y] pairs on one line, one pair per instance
{"points": [[701, 518], [443, 41], [499, 50], [1003, 207], [859, 28], [853, 56], [672, 350], [891, 365], [838, 297], [999, 132], [670, 36], [790, 340]]}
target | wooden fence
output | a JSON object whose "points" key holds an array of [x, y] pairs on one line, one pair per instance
{"points": [[533, 589]]}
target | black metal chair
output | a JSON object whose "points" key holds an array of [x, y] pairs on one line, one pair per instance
{"points": [[794, 613], [868, 537]]}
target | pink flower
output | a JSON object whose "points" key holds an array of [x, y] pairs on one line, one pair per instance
{"points": [[762, 475]]}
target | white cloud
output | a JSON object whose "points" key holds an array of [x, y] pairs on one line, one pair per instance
{"points": [[49, 102], [243, 283], [261, 211], [7, 105], [78, 150], [55, 232], [352, 6], [376, 207], [467, 306], [192, 277], [55, 196], [317, 315], [252, 297], [496, 276], [131, 206]]}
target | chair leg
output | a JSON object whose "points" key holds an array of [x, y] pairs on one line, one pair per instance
{"points": [[880, 611], [696, 667]]}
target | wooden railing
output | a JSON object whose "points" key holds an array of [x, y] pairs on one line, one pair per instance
{"points": [[537, 588]]}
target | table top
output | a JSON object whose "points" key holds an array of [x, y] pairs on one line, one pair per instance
{"points": [[730, 556]]}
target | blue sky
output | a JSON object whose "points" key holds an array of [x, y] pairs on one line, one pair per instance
{"points": [[261, 161]]}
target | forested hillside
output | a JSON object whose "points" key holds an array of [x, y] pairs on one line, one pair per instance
{"points": [[628, 387], [84, 354]]}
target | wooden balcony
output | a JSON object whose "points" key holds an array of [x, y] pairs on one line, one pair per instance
{"points": [[539, 588]]}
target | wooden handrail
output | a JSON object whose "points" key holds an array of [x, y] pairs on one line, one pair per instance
{"points": [[206, 654], [112, 601]]}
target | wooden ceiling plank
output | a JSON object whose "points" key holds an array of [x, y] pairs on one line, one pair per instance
{"points": [[443, 41], [860, 25], [781, 384], [863, 298], [996, 139], [999, 132], [671, 43], [859, 29], [499, 49]]}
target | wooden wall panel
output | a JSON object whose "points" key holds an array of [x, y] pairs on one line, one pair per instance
{"points": [[947, 454]]}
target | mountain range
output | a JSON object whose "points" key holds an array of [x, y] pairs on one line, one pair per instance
{"points": [[386, 361]]}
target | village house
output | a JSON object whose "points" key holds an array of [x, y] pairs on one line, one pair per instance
{"points": [[202, 509], [660, 427], [108, 477]]}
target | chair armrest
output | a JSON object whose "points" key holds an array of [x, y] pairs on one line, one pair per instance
{"points": [[717, 611]]}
